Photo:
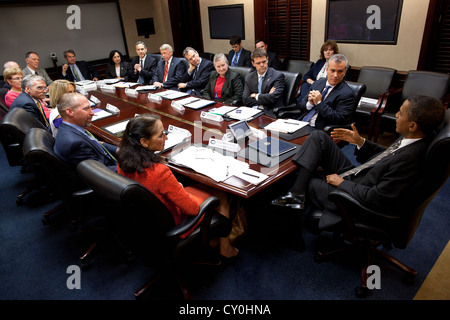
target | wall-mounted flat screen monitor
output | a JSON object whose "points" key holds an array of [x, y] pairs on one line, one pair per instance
{"points": [[226, 21]]}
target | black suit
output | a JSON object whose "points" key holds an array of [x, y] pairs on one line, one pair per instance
{"points": [[176, 70], [146, 72], [274, 61], [272, 78], [244, 59], [198, 82], [88, 71], [376, 187], [111, 71], [25, 101], [337, 108]]}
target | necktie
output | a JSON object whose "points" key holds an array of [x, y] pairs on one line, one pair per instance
{"points": [[76, 77], [166, 69], [372, 161], [261, 78], [235, 60], [101, 145], [42, 112], [36, 73], [312, 112], [141, 79]]}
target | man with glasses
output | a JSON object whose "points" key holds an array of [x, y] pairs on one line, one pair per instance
{"points": [[263, 87], [197, 76], [33, 92]]}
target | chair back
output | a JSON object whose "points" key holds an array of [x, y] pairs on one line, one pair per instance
{"points": [[3, 92], [186, 63], [434, 176], [243, 71], [358, 89], [13, 128], [38, 151], [140, 211], [377, 80], [291, 83], [427, 83], [157, 56], [207, 55], [298, 66]]}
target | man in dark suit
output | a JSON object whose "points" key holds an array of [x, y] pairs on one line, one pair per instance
{"points": [[238, 56], [379, 182], [169, 70], [73, 142], [142, 67], [197, 76], [263, 87], [274, 61], [33, 92], [75, 70], [330, 100]]}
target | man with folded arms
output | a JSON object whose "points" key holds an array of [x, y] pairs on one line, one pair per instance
{"points": [[385, 174]]}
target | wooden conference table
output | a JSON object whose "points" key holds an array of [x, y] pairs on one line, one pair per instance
{"points": [[190, 120]]}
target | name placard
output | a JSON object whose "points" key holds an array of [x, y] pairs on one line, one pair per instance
{"points": [[177, 106], [94, 99], [108, 88], [112, 108], [224, 145], [132, 93], [210, 116], [154, 98]]}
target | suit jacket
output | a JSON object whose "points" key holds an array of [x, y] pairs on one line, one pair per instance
{"points": [[244, 59], [337, 108], [111, 71], [87, 70], [73, 147], [176, 70], [274, 61], [273, 78], [232, 88], [40, 72], [25, 101], [204, 70], [146, 72]]}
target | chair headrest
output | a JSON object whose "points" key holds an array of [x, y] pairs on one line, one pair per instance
{"points": [[437, 84], [18, 121]]}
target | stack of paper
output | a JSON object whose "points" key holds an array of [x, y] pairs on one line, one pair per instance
{"points": [[222, 110], [243, 113], [171, 94], [176, 136], [285, 125], [194, 102]]}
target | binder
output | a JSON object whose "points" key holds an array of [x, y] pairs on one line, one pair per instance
{"points": [[271, 146]]}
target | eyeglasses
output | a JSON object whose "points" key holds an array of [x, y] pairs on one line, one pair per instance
{"points": [[17, 79], [42, 88]]}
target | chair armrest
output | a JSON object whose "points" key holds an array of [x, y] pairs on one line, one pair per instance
{"points": [[190, 222], [83, 193], [331, 127], [289, 114], [392, 96], [290, 107]]}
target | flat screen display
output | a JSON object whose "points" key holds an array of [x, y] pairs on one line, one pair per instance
{"points": [[226, 21]]}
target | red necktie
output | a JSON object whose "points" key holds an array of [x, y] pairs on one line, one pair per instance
{"points": [[166, 69]]}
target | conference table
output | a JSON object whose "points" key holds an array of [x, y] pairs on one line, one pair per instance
{"points": [[202, 131]]}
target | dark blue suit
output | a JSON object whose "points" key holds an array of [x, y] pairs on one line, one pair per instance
{"points": [[146, 72], [273, 78], [25, 101], [198, 83], [73, 147], [88, 71], [337, 108], [176, 70]]}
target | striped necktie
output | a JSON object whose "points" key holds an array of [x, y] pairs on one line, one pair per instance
{"points": [[76, 77], [372, 161], [38, 104]]}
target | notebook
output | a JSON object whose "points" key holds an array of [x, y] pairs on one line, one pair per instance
{"points": [[272, 146]]}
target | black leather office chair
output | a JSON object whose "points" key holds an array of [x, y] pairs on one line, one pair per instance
{"points": [[378, 80], [366, 228], [157, 56], [292, 82], [13, 128], [298, 66], [243, 71], [3, 92], [149, 225], [207, 55], [62, 178], [433, 84]]}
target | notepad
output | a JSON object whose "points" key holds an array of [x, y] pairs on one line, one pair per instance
{"points": [[285, 125], [243, 113], [271, 146], [171, 94], [100, 114], [195, 102]]}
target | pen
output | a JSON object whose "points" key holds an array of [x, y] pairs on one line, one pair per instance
{"points": [[251, 175], [228, 170], [290, 123], [192, 101]]}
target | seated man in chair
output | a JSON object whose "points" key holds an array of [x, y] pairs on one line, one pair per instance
{"points": [[383, 177], [330, 100]]}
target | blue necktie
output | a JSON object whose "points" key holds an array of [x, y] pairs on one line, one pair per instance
{"points": [[311, 113], [235, 60], [261, 78], [141, 78]]}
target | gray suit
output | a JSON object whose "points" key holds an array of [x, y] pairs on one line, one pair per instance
{"points": [[26, 71]]}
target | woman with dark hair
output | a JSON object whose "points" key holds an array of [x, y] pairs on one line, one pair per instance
{"points": [[117, 68], [319, 69], [138, 160]]}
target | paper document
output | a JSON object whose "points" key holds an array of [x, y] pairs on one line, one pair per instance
{"points": [[171, 94], [100, 114], [176, 136], [222, 110], [367, 101], [195, 102], [84, 82], [117, 127], [210, 163], [251, 176], [243, 113], [124, 84], [111, 81], [285, 125], [143, 88]]}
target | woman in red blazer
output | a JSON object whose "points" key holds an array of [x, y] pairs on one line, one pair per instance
{"points": [[137, 160]]}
